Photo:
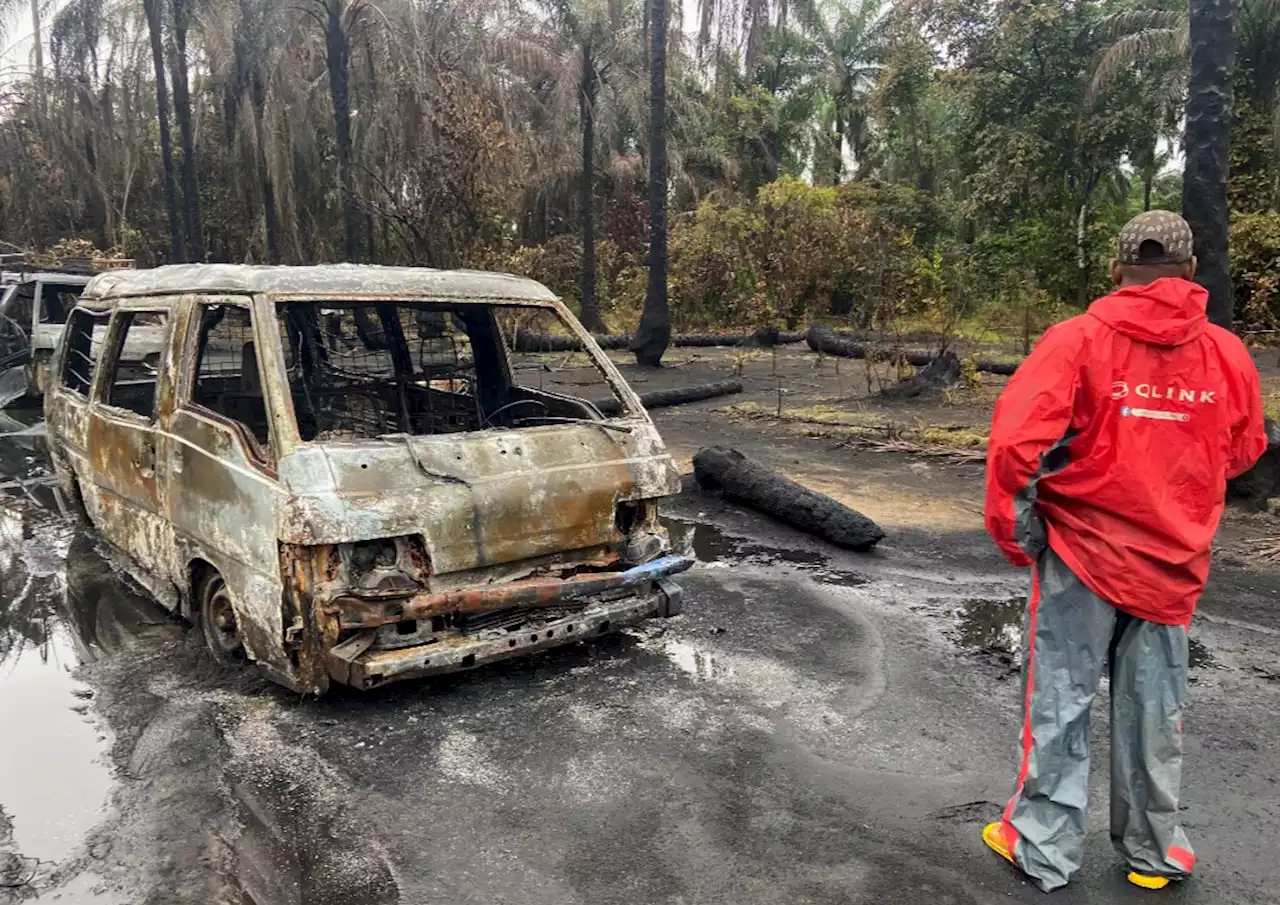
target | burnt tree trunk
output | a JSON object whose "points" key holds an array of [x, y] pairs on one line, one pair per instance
{"points": [[828, 342], [155, 30], [265, 179], [654, 333], [192, 226], [37, 37], [588, 92], [338, 63], [731, 474], [677, 396], [1204, 193]]}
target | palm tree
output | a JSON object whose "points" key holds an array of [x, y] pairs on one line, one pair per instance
{"points": [[852, 41], [182, 111], [7, 9], [337, 20], [1212, 34], [589, 42], [155, 31], [1193, 45], [654, 332], [1159, 40]]}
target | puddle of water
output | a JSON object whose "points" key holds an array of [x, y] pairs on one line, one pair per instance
{"points": [[996, 625], [710, 545], [695, 661], [55, 781], [60, 605]]}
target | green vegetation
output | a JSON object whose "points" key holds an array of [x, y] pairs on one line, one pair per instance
{"points": [[959, 166]]}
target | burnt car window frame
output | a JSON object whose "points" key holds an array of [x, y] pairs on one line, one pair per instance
{"points": [[65, 351], [263, 455], [121, 318], [630, 405]]}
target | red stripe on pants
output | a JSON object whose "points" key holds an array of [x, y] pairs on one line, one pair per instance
{"points": [[1030, 668], [1181, 857]]}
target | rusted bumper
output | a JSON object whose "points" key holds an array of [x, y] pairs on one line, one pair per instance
{"points": [[356, 663], [608, 601], [534, 593]]}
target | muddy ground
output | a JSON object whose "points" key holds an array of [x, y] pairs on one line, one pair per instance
{"points": [[819, 727]]}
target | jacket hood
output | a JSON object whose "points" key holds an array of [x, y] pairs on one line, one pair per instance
{"points": [[1168, 312]]}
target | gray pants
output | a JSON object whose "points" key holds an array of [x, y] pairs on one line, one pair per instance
{"points": [[1070, 633]]}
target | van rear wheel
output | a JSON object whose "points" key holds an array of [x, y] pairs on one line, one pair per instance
{"points": [[218, 621]]}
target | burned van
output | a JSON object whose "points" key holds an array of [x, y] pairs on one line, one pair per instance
{"points": [[362, 474], [33, 310]]}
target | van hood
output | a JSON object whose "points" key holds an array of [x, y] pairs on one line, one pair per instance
{"points": [[477, 499], [1168, 312]]}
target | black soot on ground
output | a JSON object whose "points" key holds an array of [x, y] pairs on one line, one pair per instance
{"points": [[709, 544]]}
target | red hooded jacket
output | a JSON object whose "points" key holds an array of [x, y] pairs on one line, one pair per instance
{"points": [[1113, 444]]}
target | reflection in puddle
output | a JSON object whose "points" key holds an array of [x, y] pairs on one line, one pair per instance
{"points": [[993, 625], [696, 662], [709, 544], [60, 605]]}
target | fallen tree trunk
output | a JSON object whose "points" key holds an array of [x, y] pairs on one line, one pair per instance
{"points": [[827, 341], [730, 473], [762, 338], [940, 373], [676, 396]]}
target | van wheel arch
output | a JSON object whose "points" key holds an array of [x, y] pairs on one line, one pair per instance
{"points": [[213, 614]]}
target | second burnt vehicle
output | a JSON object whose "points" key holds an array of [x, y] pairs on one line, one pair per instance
{"points": [[361, 474]]}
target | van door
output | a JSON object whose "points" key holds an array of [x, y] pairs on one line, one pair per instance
{"points": [[224, 495], [53, 302], [67, 404], [125, 444]]}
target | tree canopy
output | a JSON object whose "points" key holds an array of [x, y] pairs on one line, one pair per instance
{"points": [[832, 157]]}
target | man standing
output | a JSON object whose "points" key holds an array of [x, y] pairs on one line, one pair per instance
{"points": [[1109, 456]]}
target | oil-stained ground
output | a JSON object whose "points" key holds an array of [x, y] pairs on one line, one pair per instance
{"points": [[819, 727]]}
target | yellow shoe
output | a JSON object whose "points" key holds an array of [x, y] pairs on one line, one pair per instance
{"points": [[1147, 881], [993, 834]]}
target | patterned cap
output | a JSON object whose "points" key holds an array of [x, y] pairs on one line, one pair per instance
{"points": [[1164, 228]]}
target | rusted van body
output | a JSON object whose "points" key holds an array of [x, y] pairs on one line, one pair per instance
{"points": [[351, 473], [37, 303]]}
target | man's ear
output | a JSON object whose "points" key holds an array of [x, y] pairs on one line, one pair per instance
{"points": [[1189, 271], [1117, 273]]}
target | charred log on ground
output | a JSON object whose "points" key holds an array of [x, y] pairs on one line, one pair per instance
{"points": [[765, 337], [728, 472], [940, 373], [676, 396], [827, 341]]}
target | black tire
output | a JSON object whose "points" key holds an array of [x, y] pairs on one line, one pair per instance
{"points": [[217, 621]]}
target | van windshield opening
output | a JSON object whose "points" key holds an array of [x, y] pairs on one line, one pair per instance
{"points": [[374, 369]]}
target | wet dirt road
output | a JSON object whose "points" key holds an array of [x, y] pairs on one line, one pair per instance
{"points": [[819, 727]]}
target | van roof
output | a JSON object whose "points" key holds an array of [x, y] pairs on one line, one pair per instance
{"points": [[40, 276], [326, 281]]}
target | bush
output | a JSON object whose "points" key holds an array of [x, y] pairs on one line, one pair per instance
{"points": [[1255, 270]]}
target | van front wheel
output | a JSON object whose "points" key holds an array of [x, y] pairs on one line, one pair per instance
{"points": [[218, 621]]}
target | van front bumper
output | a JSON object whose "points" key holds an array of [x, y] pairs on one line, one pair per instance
{"points": [[356, 662]]}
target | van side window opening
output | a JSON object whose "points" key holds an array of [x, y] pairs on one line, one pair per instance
{"points": [[227, 378], [132, 383], [57, 301], [367, 370], [20, 304], [86, 332]]}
